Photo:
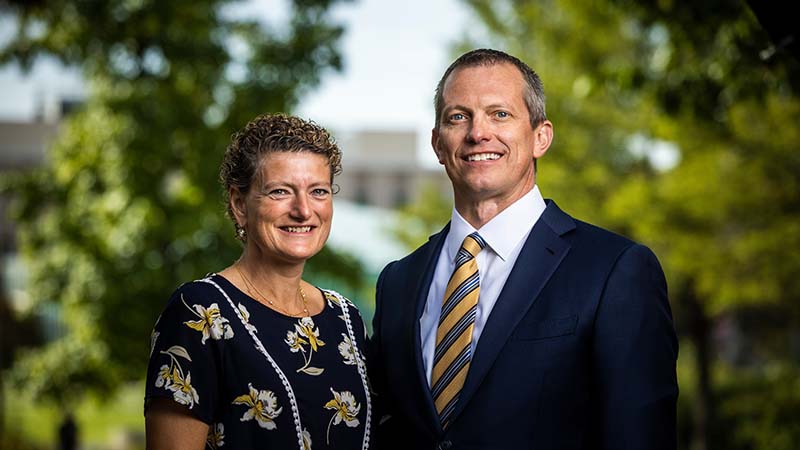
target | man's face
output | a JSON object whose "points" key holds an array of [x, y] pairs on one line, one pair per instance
{"points": [[484, 139]]}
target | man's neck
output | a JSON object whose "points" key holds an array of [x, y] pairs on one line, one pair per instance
{"points": [[479, 212]]}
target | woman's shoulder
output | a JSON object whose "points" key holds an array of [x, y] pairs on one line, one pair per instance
{"points": [[349, 308], [202, 296], [198, 305], [338, 300], [204, 291]]}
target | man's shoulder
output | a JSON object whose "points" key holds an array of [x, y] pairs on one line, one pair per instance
{"points": [[580, 232], [595, 233]]}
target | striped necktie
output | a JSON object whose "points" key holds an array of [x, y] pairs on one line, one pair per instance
{"points": [[454, 335]]}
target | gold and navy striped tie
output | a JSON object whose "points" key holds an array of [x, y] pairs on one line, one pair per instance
{"points": [[454, 336]]}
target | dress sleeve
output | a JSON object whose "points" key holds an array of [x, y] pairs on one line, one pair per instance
{"points": [[185, 351]]}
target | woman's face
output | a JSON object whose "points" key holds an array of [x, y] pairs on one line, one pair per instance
{"points": [[287, 212]]}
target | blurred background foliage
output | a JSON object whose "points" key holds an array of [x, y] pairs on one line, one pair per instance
{"points": [[129, 204], [676, 124]]}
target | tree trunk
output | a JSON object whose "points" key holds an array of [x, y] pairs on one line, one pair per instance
{"points": [[699, 333]]}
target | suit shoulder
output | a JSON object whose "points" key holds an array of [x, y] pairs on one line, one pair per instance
{"points": [[419, 256], [598, 233], [600, 241]]}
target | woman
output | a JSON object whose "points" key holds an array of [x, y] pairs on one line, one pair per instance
{"points": [[253, 356]]}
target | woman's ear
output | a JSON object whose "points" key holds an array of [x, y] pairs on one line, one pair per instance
{"points": [[238, 206]]}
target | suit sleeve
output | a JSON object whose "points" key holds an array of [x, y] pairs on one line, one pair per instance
{"points": [[634, 358], [376, 367]]}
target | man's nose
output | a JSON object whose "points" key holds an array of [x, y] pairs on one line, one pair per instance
{"points": [[479, 130]]}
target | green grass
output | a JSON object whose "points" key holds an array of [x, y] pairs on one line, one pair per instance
{"points": [[100, 423]]}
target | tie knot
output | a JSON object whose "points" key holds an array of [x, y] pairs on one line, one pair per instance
{"points": [[473, 244]]}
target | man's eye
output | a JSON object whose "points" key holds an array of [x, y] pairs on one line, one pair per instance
{"points": [[319, 192], [457, 116]]}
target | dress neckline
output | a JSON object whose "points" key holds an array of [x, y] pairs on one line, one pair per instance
{"points": [[228, 283]]}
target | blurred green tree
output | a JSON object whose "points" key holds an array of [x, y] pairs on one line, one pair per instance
{"points": [[680, 129], [422, 217], [129, 204]]}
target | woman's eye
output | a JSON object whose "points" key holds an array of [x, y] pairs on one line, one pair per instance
{"points": [[278, 192], [501, 114]]}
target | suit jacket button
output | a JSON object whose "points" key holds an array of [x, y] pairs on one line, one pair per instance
{"points": [[444, 445]]}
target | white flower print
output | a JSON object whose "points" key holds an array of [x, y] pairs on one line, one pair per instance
{"points": [[336, 300], [295, 342], [211, 322], [263, 407], [246, 316], [171, 377], [305, 333], [164, 376], [183, 391], [346, 407], [216, 436], [347, 350]]}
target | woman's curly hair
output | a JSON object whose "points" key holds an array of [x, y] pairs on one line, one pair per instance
{"points": [[269, 133]]}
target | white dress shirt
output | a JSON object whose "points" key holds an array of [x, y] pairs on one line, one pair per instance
{"points": [[504, 235]]}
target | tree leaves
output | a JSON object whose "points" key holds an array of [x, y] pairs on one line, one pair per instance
{"points": [[129, 206]]}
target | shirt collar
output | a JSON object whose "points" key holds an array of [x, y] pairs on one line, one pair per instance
{"points": [[504, 231]]}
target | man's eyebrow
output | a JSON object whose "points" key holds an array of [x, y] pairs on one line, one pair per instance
{"points": [[452, 107], [498, 105]]}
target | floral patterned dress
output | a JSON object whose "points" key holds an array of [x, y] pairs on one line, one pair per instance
{"points": [[261, 379]]}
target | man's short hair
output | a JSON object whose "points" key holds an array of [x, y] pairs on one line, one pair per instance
{"points": [[534, 90]]}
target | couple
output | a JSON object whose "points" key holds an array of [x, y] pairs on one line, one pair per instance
{"points": [[516, 326]]}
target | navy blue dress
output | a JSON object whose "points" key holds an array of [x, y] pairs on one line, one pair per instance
{"points": [[258, 378]]}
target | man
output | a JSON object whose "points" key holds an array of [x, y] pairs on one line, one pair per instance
{"points": [[517, 326]]}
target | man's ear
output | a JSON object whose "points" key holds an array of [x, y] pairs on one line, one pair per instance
{"points": [[543, 136], [435, 145], [238, 206]]}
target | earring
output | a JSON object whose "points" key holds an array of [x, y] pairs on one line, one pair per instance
{"points": [[241, 234]]}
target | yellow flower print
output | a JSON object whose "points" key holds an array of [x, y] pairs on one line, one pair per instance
{"points": [[246, 316], [346, 407], [182, 390], [216, 436], [164, 376], [306, 328], [295, 342], [211, 322], [306, 440], [172, 378], [263, 407], [305, 333], [334, 300], [347, 350]]}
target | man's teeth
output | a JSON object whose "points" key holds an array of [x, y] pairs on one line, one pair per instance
{"points": [[298, 229], [483, 157]]}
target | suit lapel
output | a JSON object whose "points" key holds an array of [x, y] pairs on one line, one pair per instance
{"points": [[423, 272], [539, 258]]}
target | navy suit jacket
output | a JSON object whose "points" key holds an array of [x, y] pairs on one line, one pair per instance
{"points": [[579, 351]]}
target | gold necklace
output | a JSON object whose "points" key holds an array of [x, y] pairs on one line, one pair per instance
{"points": [[252, 289]]}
